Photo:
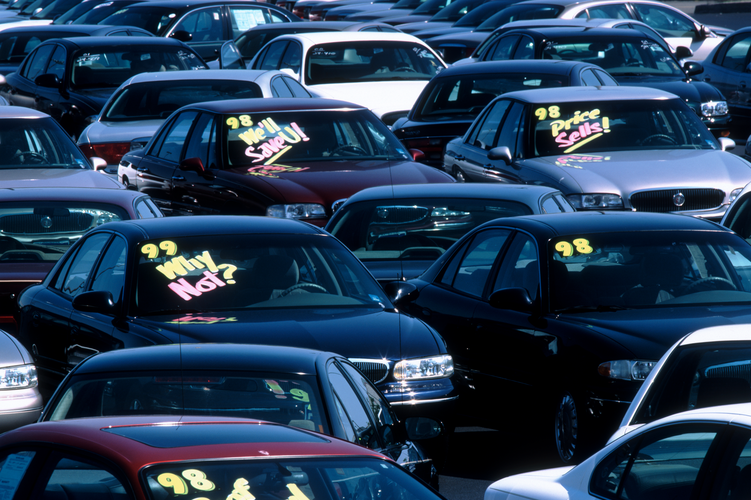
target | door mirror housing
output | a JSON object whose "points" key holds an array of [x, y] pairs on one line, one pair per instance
{"points": [[401, 292], [421, 428], [182, 35], [515, 299], [99, 164], [193, 165], [48, 80], [726, 143], [97, 301], [500, 153], [682, 52], [692, 68]]}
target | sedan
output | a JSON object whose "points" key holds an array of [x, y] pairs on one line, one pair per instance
{"points": [[738, 215], [608, 148], [20, 400], [397, 232], [313, 390], [454, 97], [287, 158], [137, 109], [168, 457], [383, 71], [72, 78], [566, 314], [697, 454], [265, 281]]}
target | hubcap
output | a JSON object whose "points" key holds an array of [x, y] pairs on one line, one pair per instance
{"points": [[459, 176], [566, 428]]}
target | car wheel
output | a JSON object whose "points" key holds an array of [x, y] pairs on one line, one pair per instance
{"points": [[459, 175], [126, 183], [568, 428]]}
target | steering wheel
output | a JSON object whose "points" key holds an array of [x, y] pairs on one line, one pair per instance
{"points": [[316, 288], [659, 136], [718, 283], [40, 158], [351, 148], [405, 67]]}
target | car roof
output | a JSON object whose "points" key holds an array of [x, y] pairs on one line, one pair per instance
{"points": [[589, 94], [120, 197], [578, 31], [353, 36], [183, 4], [222, 357], [71, 28], [244, 75], [98, 42], [518, 192], [724, 333], [275, 104], [20, 112], [306, 27], [548, 66]]}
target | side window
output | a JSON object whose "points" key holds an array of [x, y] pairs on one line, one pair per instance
{"points": [[74, 280], [666, 21], [382, 414], [37, 62], [476, 264], [13, 466], [73, 477], [737, 53], [525, 49], [292, 58], [201, 140], [110, 275], [244, 18], [488, 130], [612, 11], [550, 206], [605, 77], [503, 49], [272, 56], [204, 24], [520, 267], [57, 63], [662, 464], [353, 409], [146, 209], [297, 89], [279, 88], [588, 78], [175, 139], [510, 129]]}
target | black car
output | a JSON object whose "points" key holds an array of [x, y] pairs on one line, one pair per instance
{"points": [[16, 43], [454, 97], [203, 24], [250, 280], [563, 316], [71, 78], [632, 57], [313, 390]]}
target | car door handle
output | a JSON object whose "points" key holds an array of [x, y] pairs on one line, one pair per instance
{"points": [[458, 157], [178, 178], [142, 170]]}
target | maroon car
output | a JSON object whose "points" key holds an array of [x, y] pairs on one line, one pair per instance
{"points": [[288, 158], [38, 225], [211, 458]]}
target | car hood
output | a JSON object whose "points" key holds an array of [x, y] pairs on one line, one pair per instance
{"points": [[380, 97], [626, 172], [56, 177], [100, 132], [380, 334]]}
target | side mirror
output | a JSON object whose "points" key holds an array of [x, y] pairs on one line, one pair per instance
{"points": [[182, 35], [230, 57], [97, 301], [99, 164], [48, 80], [726, 143], [500, 153], [692, 68], [514, 299], [401, 292], [420, 428], [192, 165], [682, 52]]}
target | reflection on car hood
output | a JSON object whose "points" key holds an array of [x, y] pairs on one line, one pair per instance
{"points": [[99, 132], [628, 171], [56, 177], [379, 97], [379, 333]]}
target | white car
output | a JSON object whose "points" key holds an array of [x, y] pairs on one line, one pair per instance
{"points": [[709, 367], [703, 453], [385, 72], [141, 104]]}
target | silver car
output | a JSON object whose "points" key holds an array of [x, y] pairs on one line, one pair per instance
{"points": [[20, 401], [141, 104], [607, 148]]}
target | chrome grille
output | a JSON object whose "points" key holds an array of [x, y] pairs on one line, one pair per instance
{"points": [[42, 224], [662, 200], [375, 369]]}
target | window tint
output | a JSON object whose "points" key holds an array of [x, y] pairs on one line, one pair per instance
{"points": [[38, 62], [613, 11], [292, 58], [354, 412], [76, 276], [13, 466], [525, 49], [605, 77], [520, 267], [175, 139], [510, 130], [57, 63], [667, 22], [204, 24], [279, 88], [75, 478], [146, 209], [297, 89], [488, 129], [272, 56], [736, 55], [110, 275], [383, 417], [588, 78], [502, 51], [201, 141], [476, 264]]}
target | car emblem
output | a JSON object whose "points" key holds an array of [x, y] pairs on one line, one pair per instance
{"points": [[679, 199], [46, 222]]}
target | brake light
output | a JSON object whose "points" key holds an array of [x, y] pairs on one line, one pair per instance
{"points": [[433, 148], [111, 152]]}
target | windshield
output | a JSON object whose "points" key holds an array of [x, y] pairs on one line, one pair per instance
{"points": [[415, 229], [157, 100], [282, 398], [463, 97], [649, 270], [619, 58], [591, 127], [112, 68], [304, 136], [37, 143], [251, 271], [369, 62], [266, 479]]}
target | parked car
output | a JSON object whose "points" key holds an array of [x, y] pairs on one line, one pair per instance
{"points": [[136, 110], [627, 55], [313, 390], [676, 457], [566, 314], [397, 232], [454, 97], [16, 43], [609, 148], [264, 281], [140, 457], [738, 215], [383, 71], [20, 400], [72, 78], [286, 158], [708, 367], [466, 23]]}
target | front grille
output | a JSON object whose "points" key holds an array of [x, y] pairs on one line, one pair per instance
{"points": [[43, 224], [375, 369], [662, 200]]}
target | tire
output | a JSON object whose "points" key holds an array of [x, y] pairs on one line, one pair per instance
{"points": [[568, 428], [459, 175], [125, 182]]}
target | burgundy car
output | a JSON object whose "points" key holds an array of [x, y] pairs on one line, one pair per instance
{"points": [[212, 458], [287, 158]]}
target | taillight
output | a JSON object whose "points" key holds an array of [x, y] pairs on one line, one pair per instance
{"points": [[433, 148], [111, 152]]}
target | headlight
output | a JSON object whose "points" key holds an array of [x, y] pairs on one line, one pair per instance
{"points": [[424, 368], [734, 194], [18, 377], [714, 108], [625, 369], [596, 201], [296, 211]]}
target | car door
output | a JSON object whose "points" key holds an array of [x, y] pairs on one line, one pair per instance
{"points": [[206, 25], [731, 74], [21, 89], [48, 99]]}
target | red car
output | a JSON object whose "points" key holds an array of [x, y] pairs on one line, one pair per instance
{"points": [[165, 458]]}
